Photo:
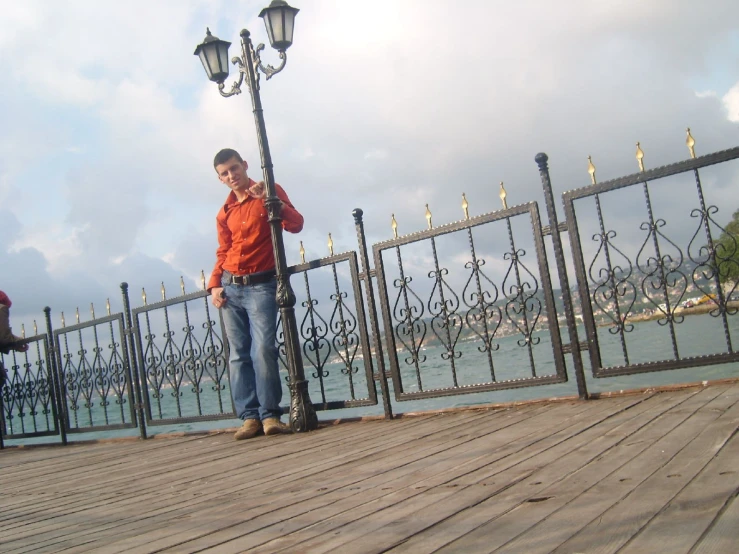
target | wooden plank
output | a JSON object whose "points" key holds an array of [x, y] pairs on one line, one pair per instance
{"points": [[413, 484], [177, 460], [289, 500], [381, 518], [517, 511], [564, 459], [682, 523], [641, 486], [273, 444], [455, 422], [609, 531], [723, 534], [515, 527], [416, 484]]}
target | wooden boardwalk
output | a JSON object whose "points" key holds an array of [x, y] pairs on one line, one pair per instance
{"points": [[654, 472]]}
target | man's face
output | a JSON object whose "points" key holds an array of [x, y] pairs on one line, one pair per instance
{"points": [[233, 174]]}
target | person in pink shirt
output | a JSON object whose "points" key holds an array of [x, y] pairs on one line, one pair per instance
{"points": [[7, 338]]}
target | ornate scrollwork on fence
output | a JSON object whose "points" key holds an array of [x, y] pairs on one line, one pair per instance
{"points": [[313, 331], [213, 360], [343, 324], [443, 304], [484, 315], [522, 306], [612, 290], [410, 328], [184, 368], [95, 386], [26, 397], [331, 346], [714, 259], [663, 278]]}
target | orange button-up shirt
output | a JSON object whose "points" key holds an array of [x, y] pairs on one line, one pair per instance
{"points": [[244, 238]]}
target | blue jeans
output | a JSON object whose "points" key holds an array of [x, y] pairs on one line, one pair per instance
{"points": [[250, 318]]}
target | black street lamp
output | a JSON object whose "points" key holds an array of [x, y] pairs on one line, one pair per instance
{"points": [[279, 19]]}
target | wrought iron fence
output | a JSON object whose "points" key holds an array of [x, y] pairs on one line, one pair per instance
{"points": [[333, 331], [645, 270], [96, 390], [28, 399], [464, 307], [427, 323]]}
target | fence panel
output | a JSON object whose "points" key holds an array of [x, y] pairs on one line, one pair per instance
{"points": [[182, 361], [28, 397], [650, 253], [95, 377], [333, 333], [484, 319]]}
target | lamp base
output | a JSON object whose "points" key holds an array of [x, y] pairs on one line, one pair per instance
{"points": [[302, 414]]}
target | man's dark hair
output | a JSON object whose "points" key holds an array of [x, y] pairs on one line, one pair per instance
{"points": [[224, 155]]}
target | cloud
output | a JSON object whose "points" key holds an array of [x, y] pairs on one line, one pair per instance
{"points": [[379, 154], [731, 103]]}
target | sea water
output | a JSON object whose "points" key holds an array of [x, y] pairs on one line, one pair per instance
{"points": [[648, 341]]}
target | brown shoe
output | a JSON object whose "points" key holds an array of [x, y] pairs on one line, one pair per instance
{"points": [[273, 426], [249, 429]]}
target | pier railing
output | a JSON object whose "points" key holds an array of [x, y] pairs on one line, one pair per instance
{"points": [[458, 308]]}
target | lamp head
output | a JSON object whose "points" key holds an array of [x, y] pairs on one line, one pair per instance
{"points": [[213, 53], [279, 19]]}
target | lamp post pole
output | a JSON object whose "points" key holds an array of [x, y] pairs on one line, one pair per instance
{"points": [[302, 414]]}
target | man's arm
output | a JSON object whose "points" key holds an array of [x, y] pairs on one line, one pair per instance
{"points": [[292, 220], [224, 244]]}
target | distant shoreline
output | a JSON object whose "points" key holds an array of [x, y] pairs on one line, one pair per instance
{"points": [[657, 314]]}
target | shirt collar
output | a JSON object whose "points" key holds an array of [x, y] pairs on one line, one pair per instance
{"points": [[232, 201]]}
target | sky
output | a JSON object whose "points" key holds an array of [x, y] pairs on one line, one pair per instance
{"points": [[109, 125]]}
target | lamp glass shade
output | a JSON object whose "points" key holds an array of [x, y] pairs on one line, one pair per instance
{"points": [[279, 20], [213, 53]]}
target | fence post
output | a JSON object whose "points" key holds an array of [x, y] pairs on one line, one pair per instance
{"points": [[541, 160], [133, 373], [369, 289], [57, 379]]}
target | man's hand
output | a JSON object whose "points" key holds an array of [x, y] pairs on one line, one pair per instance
{"points": [[22, 348], [217, 297], [258, 190]]}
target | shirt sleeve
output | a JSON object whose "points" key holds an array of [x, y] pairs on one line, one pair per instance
{"points": [[292, 221], [224, 244]]}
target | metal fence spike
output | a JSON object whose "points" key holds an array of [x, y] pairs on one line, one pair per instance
{"points": [[503, 195], [92, 310], [428, 217], [465, 207], [394, 225], [640, 156], [143, 294], [107, 305], [164, 292], [35, 328], [302, 253], [591, 170], [182, 285], [330, 245], [23, 330], [690, 141], [202, 279], [77, 314]]}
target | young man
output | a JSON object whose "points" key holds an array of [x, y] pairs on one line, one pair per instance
{"points": [[243, 286]]}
